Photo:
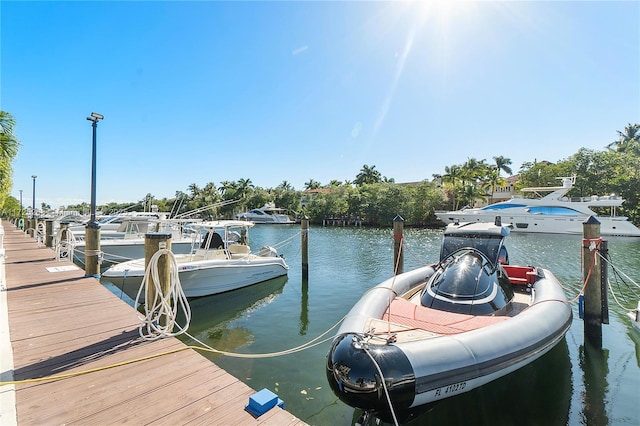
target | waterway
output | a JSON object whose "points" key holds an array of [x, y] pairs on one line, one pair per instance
{"points": [[574, 384]]}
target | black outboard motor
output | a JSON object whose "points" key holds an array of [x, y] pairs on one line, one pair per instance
{"points": [[467, 282]]}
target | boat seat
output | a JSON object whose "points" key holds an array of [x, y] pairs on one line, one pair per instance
{"points": [[202, 254], [404, 312], [521, 275], [239, 249]]}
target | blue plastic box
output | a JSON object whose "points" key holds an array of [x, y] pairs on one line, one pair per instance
{"points": [[263, 401]]}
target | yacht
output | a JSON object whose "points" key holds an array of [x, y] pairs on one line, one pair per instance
{"points": [[554, 213], [268, 213]]}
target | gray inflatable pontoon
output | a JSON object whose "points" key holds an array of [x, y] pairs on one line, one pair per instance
{"points": [[447, 328]]}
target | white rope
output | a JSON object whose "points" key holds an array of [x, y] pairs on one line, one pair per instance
{"points": [[384, 384], [64, 248], [160, 316]]}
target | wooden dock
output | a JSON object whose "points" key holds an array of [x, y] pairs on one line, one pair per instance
{"points": [[60, 322]]}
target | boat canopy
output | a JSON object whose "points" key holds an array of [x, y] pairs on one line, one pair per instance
{"points": [[486, 237]]}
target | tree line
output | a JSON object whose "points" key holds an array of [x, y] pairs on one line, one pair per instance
{"points": [[375, 199]]}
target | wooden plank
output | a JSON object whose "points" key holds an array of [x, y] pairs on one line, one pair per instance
{"points": [[62, 322]]}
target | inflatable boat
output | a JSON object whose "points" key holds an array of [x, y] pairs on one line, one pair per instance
{"points": [[447, 328]]}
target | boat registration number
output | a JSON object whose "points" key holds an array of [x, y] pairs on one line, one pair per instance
{"points": [[447, 390]]}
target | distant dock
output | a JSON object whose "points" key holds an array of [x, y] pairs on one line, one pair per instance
{"points": [[61, 323]]}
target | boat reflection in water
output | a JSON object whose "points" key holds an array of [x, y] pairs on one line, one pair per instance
{"points": [[211, 315], [540, 391]]}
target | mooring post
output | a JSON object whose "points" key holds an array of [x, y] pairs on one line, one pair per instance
{"points": [[591, 274], [64, 234], [153, 242], [64, 230], [92, 250], [398, 239], [48, 226], [304, 223]]}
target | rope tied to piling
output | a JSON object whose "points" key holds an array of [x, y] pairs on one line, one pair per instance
{"points": [[160, 314], [594, 246]]}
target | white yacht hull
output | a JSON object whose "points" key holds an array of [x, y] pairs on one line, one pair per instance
{"points": [[529, 223]]}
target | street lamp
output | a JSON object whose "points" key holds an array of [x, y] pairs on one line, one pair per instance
{"points": [[21, 203], [33, 207], [94, 118], [92, 231]]}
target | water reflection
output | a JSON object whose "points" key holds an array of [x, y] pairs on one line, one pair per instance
{"points": [[635, 338], [594, 364], [211, 315], [304, 307]]}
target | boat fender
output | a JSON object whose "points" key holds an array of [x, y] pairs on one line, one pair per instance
{"points": [[354, 376]]}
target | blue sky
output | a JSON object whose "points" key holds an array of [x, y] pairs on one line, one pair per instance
{"points": [[207, 91]]}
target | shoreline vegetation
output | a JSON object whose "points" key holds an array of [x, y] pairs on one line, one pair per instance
{"points": [[373, 199]]}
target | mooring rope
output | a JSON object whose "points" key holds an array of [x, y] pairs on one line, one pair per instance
{"points": [[160, 315]]}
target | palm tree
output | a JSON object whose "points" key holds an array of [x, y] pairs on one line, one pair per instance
{"points": [[502, 163], [452, 175], [8, 142], [311, 184], [227, 187], [243, 190], [368, 174], [194, 190], [494, 180], [628, 139], [8, 150], [285, 186]]}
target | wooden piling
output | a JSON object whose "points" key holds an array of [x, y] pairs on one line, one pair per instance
{"points": [[398, 239], [92, 250], [305, 247], [64, 230], [152, 243], [48, 238], [591, 274]]}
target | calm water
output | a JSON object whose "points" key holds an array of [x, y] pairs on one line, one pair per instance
{"points": [[572, 384]]}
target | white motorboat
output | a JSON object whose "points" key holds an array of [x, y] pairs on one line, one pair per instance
{"points": [[127, 241], [554, 213], [112, 226], [268, 213], [222, 262], [447, 328]]}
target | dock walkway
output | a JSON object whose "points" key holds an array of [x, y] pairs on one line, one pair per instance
{"points": [[61, 322]]}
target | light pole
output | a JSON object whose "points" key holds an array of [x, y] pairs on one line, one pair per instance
{"points": [[92, 231], [21, 203], [94, 118], [33, 206]]}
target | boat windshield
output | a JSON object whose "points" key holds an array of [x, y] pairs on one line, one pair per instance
{"points": [[553, 210], [502, 206], [467, 283], [489, 245]]}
